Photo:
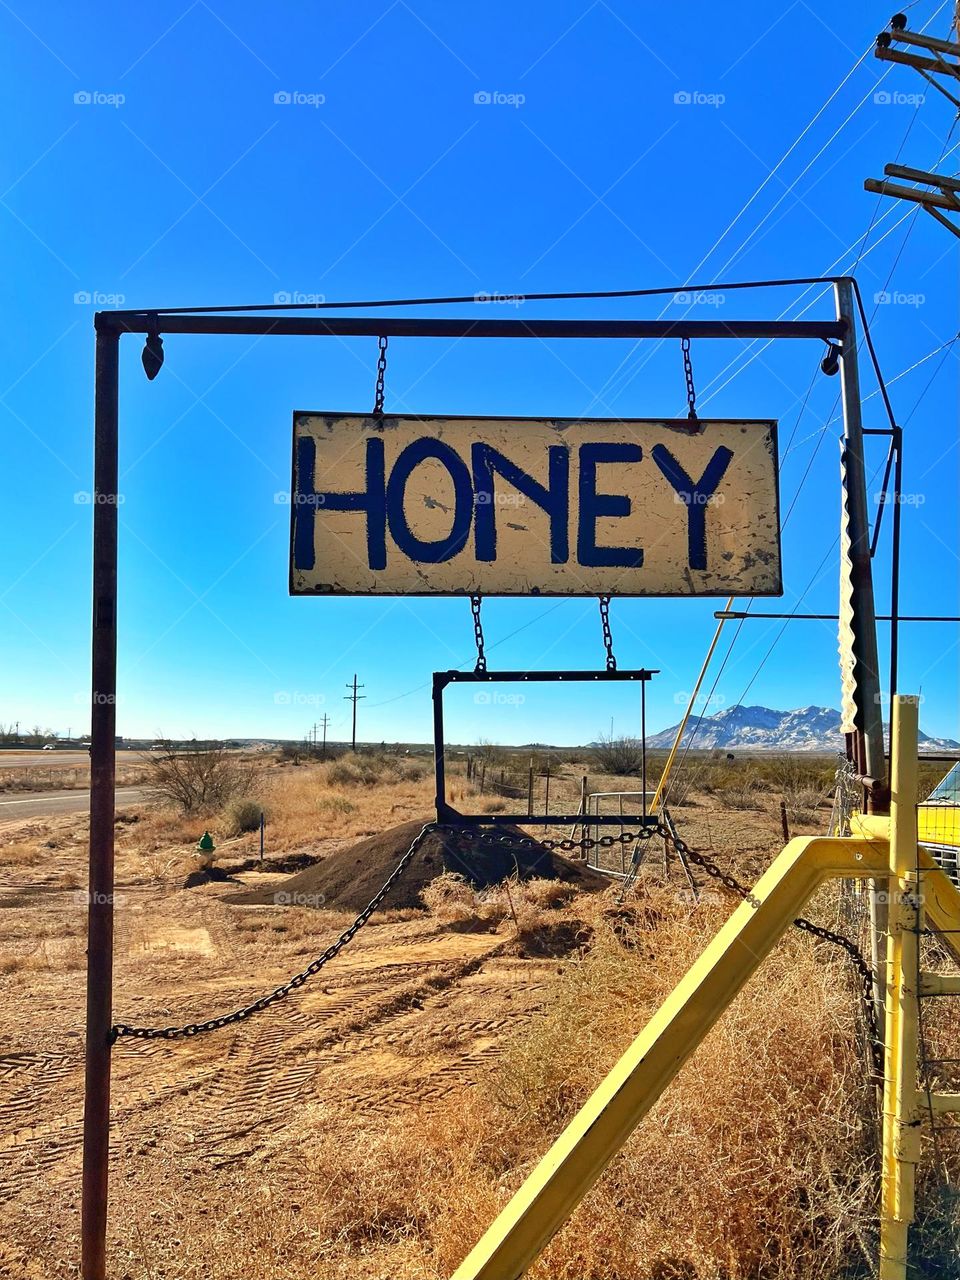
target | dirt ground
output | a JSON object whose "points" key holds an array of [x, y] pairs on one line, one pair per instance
{"points": [[409, 1014]]}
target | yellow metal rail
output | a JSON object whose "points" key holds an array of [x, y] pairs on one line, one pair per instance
{"points": [[879, 848], [578, 1157]]}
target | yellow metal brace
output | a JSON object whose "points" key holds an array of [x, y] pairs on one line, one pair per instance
{"points": [[578, 1157], [878, 848]]}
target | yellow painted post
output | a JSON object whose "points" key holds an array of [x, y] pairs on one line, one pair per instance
{"points": [[660, 795], [901, 1111]]}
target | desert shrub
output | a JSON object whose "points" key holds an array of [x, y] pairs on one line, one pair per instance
{"points": [[804, 802], [526, 910], [201, 777], [243, 814], [336, 804], [619, 755], [342, 773], [371, 770], [744, 793]]}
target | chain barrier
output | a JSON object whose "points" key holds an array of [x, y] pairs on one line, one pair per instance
{"points": [[381, 376], [585, 843], [475, 602], [279, 993], [864, 972], [688, 375], [607, 633]]}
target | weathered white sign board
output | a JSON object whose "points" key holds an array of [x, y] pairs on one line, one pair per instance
{"points": [[533, 506]]}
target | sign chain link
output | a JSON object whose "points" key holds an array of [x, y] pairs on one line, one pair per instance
{"points": [[585, 843], [688, 375], [864, 972], [279, 993], [475, 602], [607, 634], [381, 375]]}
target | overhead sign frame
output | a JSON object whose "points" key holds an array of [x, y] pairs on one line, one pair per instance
{"points": [[268, 320]]}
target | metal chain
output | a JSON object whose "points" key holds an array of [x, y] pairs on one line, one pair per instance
{"points": [[381, 375], [866, 976], [688, 375], [281, 992], [864, 972], [585, 843], [607, 634], [475, 602]]}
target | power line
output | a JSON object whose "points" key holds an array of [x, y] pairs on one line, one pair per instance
{"points": [[611, 379]]}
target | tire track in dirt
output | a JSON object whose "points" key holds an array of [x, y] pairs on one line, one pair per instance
{"points": [[284, 1065], [25, 1081], [240, 1095]]}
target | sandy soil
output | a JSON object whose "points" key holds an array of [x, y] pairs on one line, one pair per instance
{"points": [[409, 1013]]}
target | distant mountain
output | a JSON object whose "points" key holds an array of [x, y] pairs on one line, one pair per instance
{"points": [[762, 729]]}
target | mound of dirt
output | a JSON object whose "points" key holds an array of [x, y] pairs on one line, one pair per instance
{"points": [[349, 878]]}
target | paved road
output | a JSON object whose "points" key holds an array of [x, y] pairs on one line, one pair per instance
{"points": [[42, 759], [47, 803]]}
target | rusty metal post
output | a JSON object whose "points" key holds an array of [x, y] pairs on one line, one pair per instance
{"points": [[784, 824], [866, 664], [96, 1102], [859, 633]]}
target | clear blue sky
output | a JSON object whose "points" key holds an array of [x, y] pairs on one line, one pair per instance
{"points": [[147, 156]]}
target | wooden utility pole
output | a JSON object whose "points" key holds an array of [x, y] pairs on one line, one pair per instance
{"points": [[353, 697], [937, 58]]}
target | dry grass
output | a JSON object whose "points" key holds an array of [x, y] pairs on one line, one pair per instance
{"points": [[334, 800], [753, 1165]]}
